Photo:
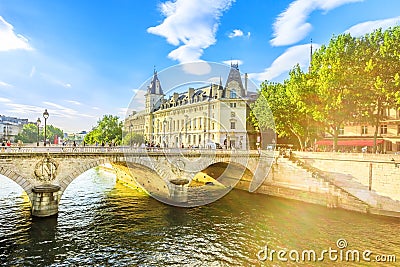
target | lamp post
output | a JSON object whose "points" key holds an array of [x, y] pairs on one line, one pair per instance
{"points": [[38, 124], [45, 116]]}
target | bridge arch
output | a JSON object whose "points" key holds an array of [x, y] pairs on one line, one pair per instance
{"points": [[64, 182], [25, 184], [229, 173], [123, 168]]}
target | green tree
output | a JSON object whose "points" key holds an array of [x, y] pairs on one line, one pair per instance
{"points": [[133, 138], [108, 129], [380, 57], [52, 132], [288, 108], [29, 133], [334, 71]]}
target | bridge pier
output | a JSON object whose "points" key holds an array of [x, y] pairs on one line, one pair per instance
{"points": [[45, 200], [179, 190]]}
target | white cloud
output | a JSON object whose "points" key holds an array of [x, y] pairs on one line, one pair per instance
{"points": [[4, 100], [291, 25], [369, 26], [33, 71], [24, 109], [74, 102], [191, 25], [54, 80], [234, 61], [238, 33], [299, 54], [64, 118], [4, 84], [197, 67], [9, 40], [64, 112]]}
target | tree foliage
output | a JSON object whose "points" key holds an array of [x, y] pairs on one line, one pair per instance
{"points": [[108, 130], [334, 69], [350, 79], [29, 133], [133, 139]]}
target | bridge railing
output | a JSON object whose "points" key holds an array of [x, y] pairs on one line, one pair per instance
{"points": [[67, 149], [118, 149]]}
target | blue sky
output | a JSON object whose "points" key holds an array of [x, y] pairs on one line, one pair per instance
{"points": [[83, 59]]}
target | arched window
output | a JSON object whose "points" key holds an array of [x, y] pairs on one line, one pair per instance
{"points": [[233, 94]]}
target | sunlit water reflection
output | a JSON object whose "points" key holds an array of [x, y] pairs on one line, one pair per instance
{"points": [[102, 223]]}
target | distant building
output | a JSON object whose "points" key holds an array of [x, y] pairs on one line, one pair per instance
{"points": [[77, 137], [199, 117], [354, 136], [10, 127]]}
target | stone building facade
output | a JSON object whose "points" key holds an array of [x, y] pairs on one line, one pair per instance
{"points": [[354, 136], [202, 117], [10, 127]]}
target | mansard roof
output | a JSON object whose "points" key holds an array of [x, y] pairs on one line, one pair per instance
{"points": [[234, 75], [155, 85]]}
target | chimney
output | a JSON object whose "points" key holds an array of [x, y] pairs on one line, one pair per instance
{"points": [[190, 94], [175, 96]]}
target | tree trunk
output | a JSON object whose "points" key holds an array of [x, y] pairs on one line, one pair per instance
{"points": [[299, 139], [375, 147], [335, 138]]}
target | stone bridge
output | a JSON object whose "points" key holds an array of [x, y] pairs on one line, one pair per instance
{"points": [[45, 173]]}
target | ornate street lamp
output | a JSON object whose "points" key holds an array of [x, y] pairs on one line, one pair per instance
{"points": [[38, 124], [45, 116]]}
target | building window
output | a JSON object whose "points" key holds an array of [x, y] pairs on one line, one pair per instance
{"points": [[233, 125], [233, 94], [398, 146], [232, 105], [398, 129], [341, 130], [383, 129], [213, 125], [364, 129], [388, 146]]}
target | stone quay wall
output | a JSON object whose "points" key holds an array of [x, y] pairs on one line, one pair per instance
{"points": [[290, 181], [379, 173]]}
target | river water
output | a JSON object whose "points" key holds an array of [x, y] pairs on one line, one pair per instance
{"points": [[103, 223]]}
